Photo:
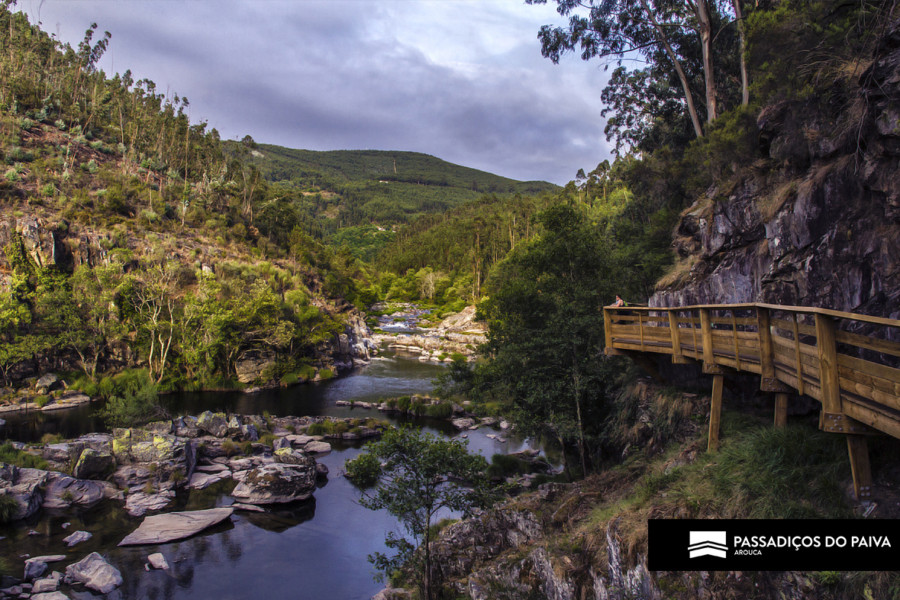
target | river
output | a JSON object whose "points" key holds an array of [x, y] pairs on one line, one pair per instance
{"points": [[310, 550]]}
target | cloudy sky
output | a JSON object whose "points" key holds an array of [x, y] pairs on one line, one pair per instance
{"points": [[463, 80]]}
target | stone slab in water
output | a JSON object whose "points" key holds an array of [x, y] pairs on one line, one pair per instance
{"points": [[160, 529]]}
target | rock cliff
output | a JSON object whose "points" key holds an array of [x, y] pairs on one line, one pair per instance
{"points": [[817, 220]]}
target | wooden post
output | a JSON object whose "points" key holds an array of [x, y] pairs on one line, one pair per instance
{"points": [[859, 466], [709, 359], [766, 353], [675, 333], [781, 403], [607, 327], [826, 349], [715, 412]]}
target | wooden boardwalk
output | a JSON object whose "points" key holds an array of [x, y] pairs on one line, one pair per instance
{"points": [[845, 361]]}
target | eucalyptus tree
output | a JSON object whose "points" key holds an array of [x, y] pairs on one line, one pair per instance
{"points": [[664, 33]]}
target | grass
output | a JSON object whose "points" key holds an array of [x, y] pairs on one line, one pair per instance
{"points": [[11, 456], [8, 508]]}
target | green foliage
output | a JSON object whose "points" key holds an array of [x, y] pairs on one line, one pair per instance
{"points": [[546, 329], [364, 470], [420, 475], [8, 508], [443, 410], [267, 439], [133, 400], [19, 458]]}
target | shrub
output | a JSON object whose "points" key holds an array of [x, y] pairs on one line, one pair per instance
{"points": [[50, 438], [267, 439], [177, 476], [325, 374], [363, 470], [11, 456], [8, 508], [246, 447], [318, 428], [444, 410], [42, 400], [229, 448]]}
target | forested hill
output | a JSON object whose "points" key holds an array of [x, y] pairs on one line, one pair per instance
{"points": [[385, 187]]}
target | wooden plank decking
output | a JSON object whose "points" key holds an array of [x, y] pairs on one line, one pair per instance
{"points": [[847, 362]]}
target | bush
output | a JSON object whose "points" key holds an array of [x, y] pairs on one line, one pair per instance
{"points": [[325, 374], [8, 508], [42, 400], [136, 402], [11, 456], [229, 448], [444, 410], [503, 465], [363, 470], [267, 439]]}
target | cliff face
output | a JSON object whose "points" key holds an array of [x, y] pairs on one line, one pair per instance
{"points": [[815, 223]]}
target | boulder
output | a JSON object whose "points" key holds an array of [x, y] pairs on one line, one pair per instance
{"points": [[281, 443], [158, 561], [139, 503], [94, 572], [234, 426], [101, 442], [200, 481], [62, 491], [160, 529], [317, 448], [168, 452], [77, 538], [50, 596], [185, 427], [321, 471], [251, 364], [93, 463], [463, 424], [25, 487], [289, 456], [42, 586], [34, 569], [47, 382], [277, 483], [249, 432], [62, 453], [213, 423], [161, 427]]}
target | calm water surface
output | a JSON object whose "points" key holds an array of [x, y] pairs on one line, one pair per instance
{"points": [[310, 550]]}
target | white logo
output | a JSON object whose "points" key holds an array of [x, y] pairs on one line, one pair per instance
{"points": [[708, 543]]}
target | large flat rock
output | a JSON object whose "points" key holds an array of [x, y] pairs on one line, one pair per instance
{"points": [[160, 529]]}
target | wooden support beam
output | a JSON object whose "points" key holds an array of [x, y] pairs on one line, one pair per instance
{"points": [[706, 336], [858, 448], [715, 412], [781, 404], [607, 329], [826, 349], [677, 356]]}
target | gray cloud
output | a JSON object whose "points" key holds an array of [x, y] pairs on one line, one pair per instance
{"points": [[460, 80]]}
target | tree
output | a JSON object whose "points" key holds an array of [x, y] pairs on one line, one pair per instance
{"points": [[664, 32], [546, 331], [418, 476]]}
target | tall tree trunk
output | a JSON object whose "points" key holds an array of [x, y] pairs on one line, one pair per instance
{"points": [[701, 10], [742, 32], [664, 40]]}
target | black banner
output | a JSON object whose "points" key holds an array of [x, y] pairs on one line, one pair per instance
{"points": [[773, 545]]}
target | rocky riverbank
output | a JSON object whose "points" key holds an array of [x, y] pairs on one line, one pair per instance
{"points": [[457, 334]]}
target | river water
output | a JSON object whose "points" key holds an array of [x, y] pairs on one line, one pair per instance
{"points": [[309, 550]]}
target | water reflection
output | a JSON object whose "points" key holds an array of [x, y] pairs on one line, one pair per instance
{"points": [[309, 550]]}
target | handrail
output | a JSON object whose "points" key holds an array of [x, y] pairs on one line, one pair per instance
{"points": [[887, 322], [854, 375]]}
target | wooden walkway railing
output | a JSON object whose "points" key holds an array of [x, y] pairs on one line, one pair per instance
{"points": [[848, 362]]}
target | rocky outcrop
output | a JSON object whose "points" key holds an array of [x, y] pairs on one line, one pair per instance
{"points": [[459, 333], [278, 483], [25, 486], [820, 228]]}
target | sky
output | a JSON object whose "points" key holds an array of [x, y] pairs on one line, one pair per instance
{"points": [[463, 80]]}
